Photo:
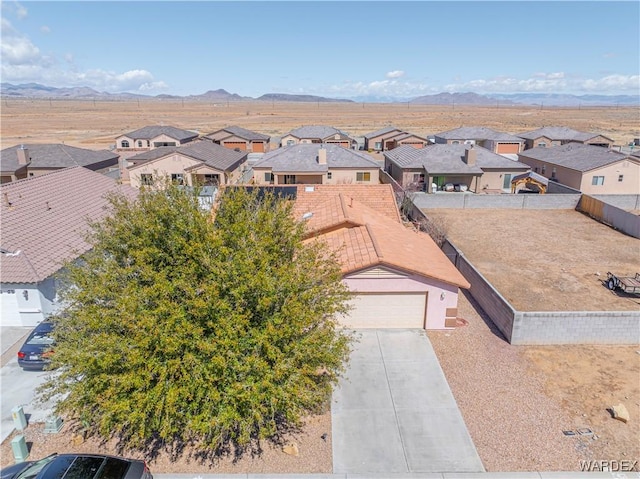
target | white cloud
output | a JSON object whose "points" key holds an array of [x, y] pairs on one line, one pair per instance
{"points": [[395, 74], [21, 12], [45, 29], [22, 61]]}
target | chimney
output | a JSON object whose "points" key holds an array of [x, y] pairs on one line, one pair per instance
{"points": [[23, 155], [470, 156], [322, 156]]}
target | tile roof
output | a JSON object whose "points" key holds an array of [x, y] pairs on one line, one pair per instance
{"points": [[150, 132], [207, 152], [380, 198], [54, 155], [449, 159], [316, 131], [477, 133], [575, 156], [364, 238], [239, 132], [559, 133], [45, 223], [382, 131], [303, 157]]}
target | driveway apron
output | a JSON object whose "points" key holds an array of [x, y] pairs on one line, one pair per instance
{"points": [[393, 411]]}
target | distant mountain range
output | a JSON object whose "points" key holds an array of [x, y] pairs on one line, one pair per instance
{"points": [[35, 90]]}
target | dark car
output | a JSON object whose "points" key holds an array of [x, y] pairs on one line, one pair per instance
{"points": [[78, 466], [35, 351]]}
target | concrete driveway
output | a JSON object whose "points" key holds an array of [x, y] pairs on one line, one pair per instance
{"points": [[394, 412]]}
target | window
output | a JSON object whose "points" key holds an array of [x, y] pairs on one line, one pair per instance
{"points": [[177, 178], [378, 145], [329, 175], [455, 142], [597, 180], [268, 176], [363, 176], [620, 177], [290, 142], [542, 144], [536, 169], [164, 143], [544, 169], [418, 177], [139, 143], [146, 179], [125, 143], [210, 179], [289, 179], [506, 182], [31, 174], [148, 143]]}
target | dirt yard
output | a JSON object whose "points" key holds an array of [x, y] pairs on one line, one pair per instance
{"points": [[90, 124], [517, 401], [314, 452], [545, 260]]}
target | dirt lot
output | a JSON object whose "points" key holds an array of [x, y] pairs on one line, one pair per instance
{"points": [[545, 260], [314, 452], [96, 124], [517, 400]]}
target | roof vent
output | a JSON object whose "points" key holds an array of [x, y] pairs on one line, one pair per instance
{"points": [[306, 216], [5, 198]]}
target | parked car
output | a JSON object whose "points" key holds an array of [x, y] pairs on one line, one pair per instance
{"points": [[80, 466], [35, 351]]}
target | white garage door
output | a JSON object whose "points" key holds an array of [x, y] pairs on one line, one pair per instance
{"points": [[387, 311], [9, 309]]}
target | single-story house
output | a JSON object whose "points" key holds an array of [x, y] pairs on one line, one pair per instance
{"points": [[411, 286], [560, 135], [24, 161], [44, 222], [318, 134], [391, 137], [587, 168], [200, 163], [235, 137], [495, 141], [154, 136], [308, 163], [443, 167]]}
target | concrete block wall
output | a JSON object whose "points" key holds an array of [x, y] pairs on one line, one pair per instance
{"points": [[625, 202], [499, 309], [576, 327], [470, 200]]}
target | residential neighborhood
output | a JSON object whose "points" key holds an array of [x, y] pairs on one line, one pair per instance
{"points": [[379, 203]]}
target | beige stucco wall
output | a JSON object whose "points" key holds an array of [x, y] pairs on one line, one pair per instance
{"points": [[630, 184], [162, 167], [494, 180], [348, 176], [338, 176]]}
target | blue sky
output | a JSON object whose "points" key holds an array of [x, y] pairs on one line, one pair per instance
{"points": [[336, 49]]}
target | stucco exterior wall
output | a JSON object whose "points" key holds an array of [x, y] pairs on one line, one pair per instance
{"points": [[441, 296], [348, 176], [630, 184], [163, 167], [494, 179], [29, 304]]}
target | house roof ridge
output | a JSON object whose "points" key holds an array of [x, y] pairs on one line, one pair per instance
{"points": [[374, 241]]}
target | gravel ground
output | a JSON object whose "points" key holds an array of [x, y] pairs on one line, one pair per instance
{"points": [[514, 425], [314, 452]]}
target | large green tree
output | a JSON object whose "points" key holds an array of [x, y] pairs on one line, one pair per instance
{"points": [[183, 326]]}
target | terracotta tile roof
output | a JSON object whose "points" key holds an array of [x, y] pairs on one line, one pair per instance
{"points": [[377, 197], [44, 220], [364, 237]]}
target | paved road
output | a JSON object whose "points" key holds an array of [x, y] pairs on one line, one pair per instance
{"points": [[394, 412]]}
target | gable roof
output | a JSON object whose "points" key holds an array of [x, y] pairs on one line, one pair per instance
{"points": [[54, 155], [44, 220], [239, 132], [304, 158], [575, 156], [209, 153], [363, 238], [559, 133], [316, 131], [153, 131], [382, 131], [477, 133], [447, 159]]}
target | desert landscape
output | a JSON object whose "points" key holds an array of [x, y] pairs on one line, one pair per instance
{"points": [[516, 400], [96, 124]]}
